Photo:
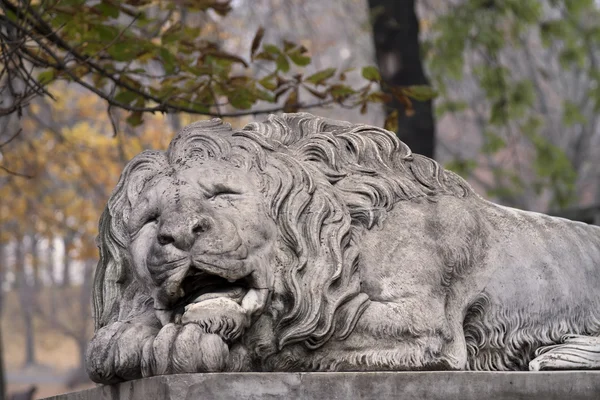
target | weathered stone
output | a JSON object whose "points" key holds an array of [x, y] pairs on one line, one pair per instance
{"points": [[306, 244], [576, 385]]}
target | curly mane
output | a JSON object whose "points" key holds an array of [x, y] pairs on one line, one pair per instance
{"points": [[324, 181]]}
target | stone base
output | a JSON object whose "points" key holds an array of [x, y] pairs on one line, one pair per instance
{"points": [[570, 385]]}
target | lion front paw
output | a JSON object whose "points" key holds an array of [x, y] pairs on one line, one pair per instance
{"points": [[184, 349], [220, 316]]}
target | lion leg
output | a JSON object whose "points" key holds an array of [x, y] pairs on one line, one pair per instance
{"points": [[126, 350], [575, 352], [115, 352], [413, 338]]}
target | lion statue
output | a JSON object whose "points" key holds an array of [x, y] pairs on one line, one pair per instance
{"points": [[307, 244]]}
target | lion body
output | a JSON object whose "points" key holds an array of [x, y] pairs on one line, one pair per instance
{"points": [[383, 260], [470, 286]]}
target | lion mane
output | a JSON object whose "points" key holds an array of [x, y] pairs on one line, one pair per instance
{"points": [[324, 182]]}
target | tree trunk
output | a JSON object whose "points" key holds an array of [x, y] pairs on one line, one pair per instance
{"points": [[79, 375], [85, 299], [27, 302], [66, 275], [51, 268], [2, 381], [35, 261], [396, 36], [3, 266]]}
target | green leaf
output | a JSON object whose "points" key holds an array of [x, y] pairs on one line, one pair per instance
{"points": [[450, 106], [320, 77], [106, 33], [272, 49], [168, 60], [108, 10], [572, 55], [122, 51], [380, 97], [265, 55], [126, 97], [371, 74], [258, 36], [268, 82], [291, 103], [391, 122], [10, 15], [576, 7], [287, 46], [463, 167], [341, 91], [282, 63], [230, 57], [263, 95], [493, 143], [299, 59], [420, 92], [46, 77], [135, 118], [572, 115], [241, 99]]}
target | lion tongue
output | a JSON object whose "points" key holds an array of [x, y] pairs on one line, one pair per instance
{"points": [[235, 293]]}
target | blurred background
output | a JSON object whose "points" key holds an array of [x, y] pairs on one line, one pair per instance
{"points": [[504, 92]]}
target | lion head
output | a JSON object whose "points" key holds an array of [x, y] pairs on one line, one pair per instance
{"points": [[228, 229]]}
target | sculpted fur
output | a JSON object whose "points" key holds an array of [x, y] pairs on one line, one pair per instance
{"points": [[306, 244]]}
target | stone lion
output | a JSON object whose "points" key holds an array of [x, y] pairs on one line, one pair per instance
{"points": [[307, 244]]}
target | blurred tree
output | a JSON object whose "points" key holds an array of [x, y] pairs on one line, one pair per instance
{"points": [[397, 49], [2, 273], [519, 97]]}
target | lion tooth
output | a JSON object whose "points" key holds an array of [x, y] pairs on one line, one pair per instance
{"points": [[255, 300]]}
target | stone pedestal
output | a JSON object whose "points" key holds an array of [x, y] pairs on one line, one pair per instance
{"points": [[570, 385]]}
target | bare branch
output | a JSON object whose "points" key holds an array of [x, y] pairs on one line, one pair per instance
{"points": [[19, 174], [10, 139]]}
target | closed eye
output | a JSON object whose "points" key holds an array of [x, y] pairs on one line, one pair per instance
{"points": [[140, 223], [222, 192]]}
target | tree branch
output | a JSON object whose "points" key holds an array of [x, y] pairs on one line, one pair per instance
{"points": [[11, 172]]}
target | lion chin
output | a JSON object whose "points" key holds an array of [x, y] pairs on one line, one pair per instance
{"points": [[306, 244]]}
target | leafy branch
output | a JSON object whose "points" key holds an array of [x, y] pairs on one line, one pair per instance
{"points": [[145, 57]]}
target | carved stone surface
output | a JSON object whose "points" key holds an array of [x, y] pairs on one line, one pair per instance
{"points": [[572, 385], [306, 244]]}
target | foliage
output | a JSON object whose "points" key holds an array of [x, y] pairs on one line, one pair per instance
{"points": [[155, 56], [72, 168], [474, 38]]}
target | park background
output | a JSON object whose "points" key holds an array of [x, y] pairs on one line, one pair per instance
{"points": [[504, 92]]}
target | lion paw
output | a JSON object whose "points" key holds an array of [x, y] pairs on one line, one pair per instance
{"points": [[575, 352], [220, 316], [184, 349]]}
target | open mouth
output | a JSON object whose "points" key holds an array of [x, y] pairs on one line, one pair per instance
{"points": [[203, 286], [201, 289]]}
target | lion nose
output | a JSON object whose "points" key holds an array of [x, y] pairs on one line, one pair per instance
{"points": [[182, 232]]}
